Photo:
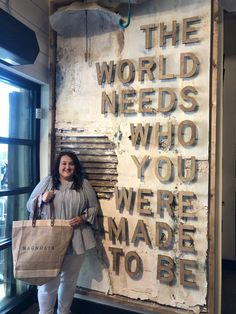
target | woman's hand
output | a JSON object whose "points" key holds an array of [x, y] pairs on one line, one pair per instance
{"points": [[47, 196], [76, 221]]}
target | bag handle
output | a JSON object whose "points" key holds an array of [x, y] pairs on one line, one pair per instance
{"points": [[35, 212], [52, 212]]}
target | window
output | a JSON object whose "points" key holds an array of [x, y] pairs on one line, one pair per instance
{"points": [[19, 165]]}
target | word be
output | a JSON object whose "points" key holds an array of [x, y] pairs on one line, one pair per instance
{"points": [[165, 267]]}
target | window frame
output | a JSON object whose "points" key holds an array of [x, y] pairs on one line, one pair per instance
{"points": [[34, 143], [16, 80]]}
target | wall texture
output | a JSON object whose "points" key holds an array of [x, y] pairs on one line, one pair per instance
{"points": [[142, 135]]}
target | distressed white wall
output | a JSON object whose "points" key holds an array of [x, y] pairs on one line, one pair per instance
{"points": [[79, 111]]}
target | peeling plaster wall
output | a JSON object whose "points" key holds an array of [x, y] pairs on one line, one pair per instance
{"points": [[78, 110]]}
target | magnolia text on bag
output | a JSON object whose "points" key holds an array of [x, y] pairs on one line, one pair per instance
{"points": [[36, 248]]}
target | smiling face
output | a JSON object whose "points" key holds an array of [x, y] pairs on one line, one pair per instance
{"points": [[66, 168]]}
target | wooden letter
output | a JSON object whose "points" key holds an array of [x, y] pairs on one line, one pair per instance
{"points": [[165, 200], [140, 233], [105, 73], [140, 133], [185, 69], [185, 238], [164, 33], [159, 166], [129, 258], [123, 199], [184, 199], [160, 134], [140, 166], [163, 241], [181, 130], [117, 233], [107, 102], [163, 69], [184, 273], [143, 203], [163, 92], [125, 102], [188, 30], [165, 266], [146, 65], [186, 173], [148, 34], [116, 253], [143, 101], [184, 94], [121, 69]]}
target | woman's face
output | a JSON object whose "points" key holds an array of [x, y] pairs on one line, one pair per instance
{"points": [[66, 168]]}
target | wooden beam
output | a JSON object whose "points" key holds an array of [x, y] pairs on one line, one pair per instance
{"points": [[214, 142]]}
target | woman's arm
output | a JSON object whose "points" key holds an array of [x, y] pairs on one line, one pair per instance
{"points": [[92, 203], [89, 215], [41, 187]]}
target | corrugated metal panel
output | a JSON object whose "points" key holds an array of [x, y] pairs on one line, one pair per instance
{"points": [[97, 156]]}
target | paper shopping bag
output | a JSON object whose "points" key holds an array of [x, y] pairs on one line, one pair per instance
{"points": [[39, 249]]}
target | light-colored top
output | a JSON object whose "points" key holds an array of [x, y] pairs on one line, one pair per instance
{"points": [[69, 203]]}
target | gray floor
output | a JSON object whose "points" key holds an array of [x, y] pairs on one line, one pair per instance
{"points": [[31, 310], [228, 294], [228, 291]]}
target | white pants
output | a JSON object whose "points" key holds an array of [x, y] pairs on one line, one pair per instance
{"points": [[63, 287]]}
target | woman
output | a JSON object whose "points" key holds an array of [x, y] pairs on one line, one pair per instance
{"points": [[74, 199]]}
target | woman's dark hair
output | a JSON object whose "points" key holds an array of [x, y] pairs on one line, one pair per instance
{"points": [[77, 177]]}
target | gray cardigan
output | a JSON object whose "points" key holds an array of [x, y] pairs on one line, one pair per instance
{"points": [[69, 203]]}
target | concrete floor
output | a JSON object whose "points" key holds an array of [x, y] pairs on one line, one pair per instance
{"points": [[228, 299], [83, 307], [31, 310], [228, 291]]}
